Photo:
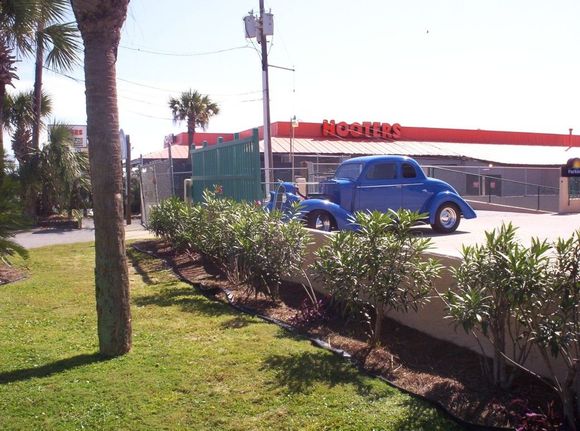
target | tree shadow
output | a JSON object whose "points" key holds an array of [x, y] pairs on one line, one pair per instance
{"points": [[140, 268], [238, 322], [186, 298], [298, 373], [52, 368], [424, 416]]}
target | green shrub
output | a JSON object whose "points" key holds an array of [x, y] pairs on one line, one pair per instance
{"points": [[497, 283], [176, 222], [248, 244], [11, 219], [553, 321], [270, 246], [216, 239], [380, 265]]}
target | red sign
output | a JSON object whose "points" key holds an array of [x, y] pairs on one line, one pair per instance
{"points": [[367, 129]]}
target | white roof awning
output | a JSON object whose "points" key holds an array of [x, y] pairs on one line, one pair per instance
{"points": [[494, 153]]}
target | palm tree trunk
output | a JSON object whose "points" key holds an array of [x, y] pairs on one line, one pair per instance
{"points": [[190, 133], [38, 86], [2, 154], [100, 23]]}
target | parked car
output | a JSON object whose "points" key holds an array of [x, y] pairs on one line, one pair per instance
{"points": [[375, 183]]}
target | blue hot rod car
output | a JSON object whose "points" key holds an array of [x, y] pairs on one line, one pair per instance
{"points": [[375, 183]]}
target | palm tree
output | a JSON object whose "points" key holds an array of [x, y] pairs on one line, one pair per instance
{"points": [[63, 171], [58, 39], [16, 26], [196, 109], [100, 23], [19, 120]]}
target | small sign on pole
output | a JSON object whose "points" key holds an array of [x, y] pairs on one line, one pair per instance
{"points": [[571, 168]]}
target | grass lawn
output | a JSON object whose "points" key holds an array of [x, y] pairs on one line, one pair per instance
{"points": [[195, 364]]}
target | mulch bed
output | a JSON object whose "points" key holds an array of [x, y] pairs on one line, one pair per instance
{"points": [[9, 274], [414, 361]]}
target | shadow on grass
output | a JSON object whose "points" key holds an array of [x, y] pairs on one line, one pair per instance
{"points": [[420, 415], [186, 298], [52, 368], [238, 322], [298, 373], [140, 264]]}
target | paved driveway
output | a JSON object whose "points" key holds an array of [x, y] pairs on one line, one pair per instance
{"points": [[549, 226], [40, 237]]}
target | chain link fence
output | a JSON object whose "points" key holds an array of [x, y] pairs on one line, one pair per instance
{"points": [[535, 188], [158, 182]]}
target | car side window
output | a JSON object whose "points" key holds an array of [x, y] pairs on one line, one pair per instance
{"points": [[382, 171], [409, 171]]}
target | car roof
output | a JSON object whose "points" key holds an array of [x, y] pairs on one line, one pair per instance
{"points": [[382, 158]]}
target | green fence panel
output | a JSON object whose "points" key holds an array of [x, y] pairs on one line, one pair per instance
{"points": [[233, 166]]}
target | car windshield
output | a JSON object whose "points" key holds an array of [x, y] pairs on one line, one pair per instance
{"points": [[349, 171]]}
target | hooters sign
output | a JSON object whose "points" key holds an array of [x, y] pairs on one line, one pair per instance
{"points": [[365, 129]]}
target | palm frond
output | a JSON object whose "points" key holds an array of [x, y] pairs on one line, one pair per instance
{"points": [[194, 107], [51, 10], [17, 24], [62, 43]]}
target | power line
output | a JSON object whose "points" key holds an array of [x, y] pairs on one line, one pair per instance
{"points": [[139, 84], [183, 54], [148, 116], [121, 96], [152, 87]]}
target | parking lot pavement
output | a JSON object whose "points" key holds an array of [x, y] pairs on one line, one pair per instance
{"points": [[549, 226], [41, 237], [472, 231]]}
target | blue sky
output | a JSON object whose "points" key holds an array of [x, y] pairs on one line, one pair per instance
{"points": [[494, 64]]}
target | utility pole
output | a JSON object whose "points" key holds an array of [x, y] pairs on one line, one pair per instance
{"points": [[268, 158], [128, 174], [260, 28]]}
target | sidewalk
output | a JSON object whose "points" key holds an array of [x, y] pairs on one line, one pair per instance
{"points": [[41, 237]]}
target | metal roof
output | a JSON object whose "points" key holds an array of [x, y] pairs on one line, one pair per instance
{"points": [[177, 152], [494, 153], [537, 155]]}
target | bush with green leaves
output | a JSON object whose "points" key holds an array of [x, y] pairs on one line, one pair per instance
{"points": [[554, 324], [249, 245], [270, 245], [496, 284], [381, 264], [176, 222], [216, 238], [11, 219]]}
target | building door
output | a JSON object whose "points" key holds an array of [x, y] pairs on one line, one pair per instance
{"points": [[493, 185], [473, 185]]}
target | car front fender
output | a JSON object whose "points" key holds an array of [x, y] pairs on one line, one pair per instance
{"points": [[447, 196], [342, 217]]}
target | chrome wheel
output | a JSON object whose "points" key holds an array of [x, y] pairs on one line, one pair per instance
{"points": [[448, 217], [320, 220]]}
